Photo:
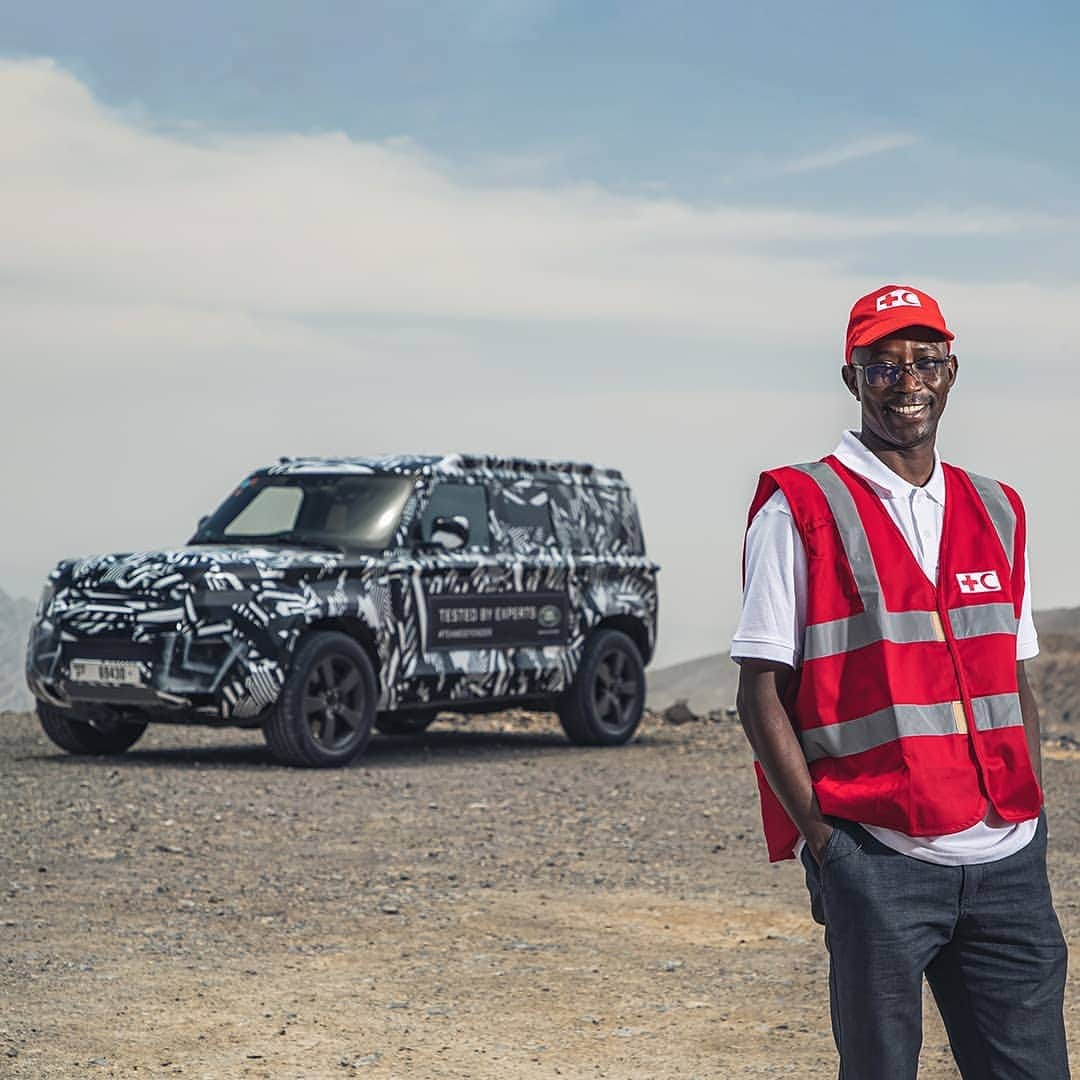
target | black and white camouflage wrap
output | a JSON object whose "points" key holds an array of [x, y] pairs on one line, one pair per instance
{"points": [[215, 628]]}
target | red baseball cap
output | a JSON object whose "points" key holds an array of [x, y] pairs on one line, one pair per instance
{"points": [[888, 309]]}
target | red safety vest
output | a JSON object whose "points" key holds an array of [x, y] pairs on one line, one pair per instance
{"points": [[906, 697]]}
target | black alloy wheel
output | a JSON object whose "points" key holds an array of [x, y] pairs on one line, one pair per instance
{"points": [[616, 691], [85, 734], [325, 713], [603, 705], [333, 702]]}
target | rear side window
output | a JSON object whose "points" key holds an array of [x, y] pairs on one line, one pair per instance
{"points": [[469, 501], [630, 525], [596, 520], [523, 509]]}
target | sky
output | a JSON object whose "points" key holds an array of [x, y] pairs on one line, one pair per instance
{"points": [[627, 233]]}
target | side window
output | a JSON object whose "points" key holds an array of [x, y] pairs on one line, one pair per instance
{"points": [[454, 500], [573, 515], [631, 524], [595, 519], [523, 509]]}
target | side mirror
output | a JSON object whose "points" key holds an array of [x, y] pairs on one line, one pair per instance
{"points": [[451, 533], [202, 521]]}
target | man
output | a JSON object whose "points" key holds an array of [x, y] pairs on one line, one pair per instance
{"points": [[886, 621]]}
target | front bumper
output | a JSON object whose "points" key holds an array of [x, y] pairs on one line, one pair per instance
{"points": [[180, 670]]}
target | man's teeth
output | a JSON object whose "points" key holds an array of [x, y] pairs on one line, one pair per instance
{"points": [[908, 410]]}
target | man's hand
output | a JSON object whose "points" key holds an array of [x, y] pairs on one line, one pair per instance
{"points": [[779, 753], [818, 839]]}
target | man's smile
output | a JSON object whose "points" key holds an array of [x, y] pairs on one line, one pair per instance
{"points": [[912, 411]]}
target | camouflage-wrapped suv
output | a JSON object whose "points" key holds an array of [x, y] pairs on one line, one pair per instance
{"points": [[327, 597]]}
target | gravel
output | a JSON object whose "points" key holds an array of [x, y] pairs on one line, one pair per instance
{"points": [[481, 901]]}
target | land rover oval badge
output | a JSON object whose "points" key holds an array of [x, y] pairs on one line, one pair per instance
{"points": [[549, 616]]}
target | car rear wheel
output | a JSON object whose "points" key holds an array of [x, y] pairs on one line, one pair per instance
{"points": [[326, 709], [405, 722], [603, 705], [78, 734]]}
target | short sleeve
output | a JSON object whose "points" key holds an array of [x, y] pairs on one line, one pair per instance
{"points": [[773, 619], [1027, 640]]}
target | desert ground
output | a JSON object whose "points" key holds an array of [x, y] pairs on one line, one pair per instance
{"points": [[484, 901]]}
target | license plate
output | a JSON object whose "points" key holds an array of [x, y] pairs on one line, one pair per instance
{"points": [[107, 672]]}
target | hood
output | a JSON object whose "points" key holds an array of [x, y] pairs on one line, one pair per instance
{"points": [[222, 567]]}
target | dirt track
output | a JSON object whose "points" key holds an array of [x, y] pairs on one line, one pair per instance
{"points": [[486, 902]]}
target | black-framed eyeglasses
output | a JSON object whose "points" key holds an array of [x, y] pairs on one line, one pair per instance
{"points": [[927, 370]]}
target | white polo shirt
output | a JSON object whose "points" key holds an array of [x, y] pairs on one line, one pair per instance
{"points": [[773, 620]]}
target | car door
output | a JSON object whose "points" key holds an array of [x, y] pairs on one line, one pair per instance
{"points": [[538, 587], [445, 644], [488, 620]]}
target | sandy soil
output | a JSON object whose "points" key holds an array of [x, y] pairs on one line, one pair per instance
{"points": [[482, 902]]}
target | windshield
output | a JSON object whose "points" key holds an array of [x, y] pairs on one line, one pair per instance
{"points": [[346, 512]]}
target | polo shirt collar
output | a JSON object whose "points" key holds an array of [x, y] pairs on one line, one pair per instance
{"points": [[851, 452]]}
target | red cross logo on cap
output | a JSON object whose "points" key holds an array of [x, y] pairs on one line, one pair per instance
{"points": [[897, 298]]}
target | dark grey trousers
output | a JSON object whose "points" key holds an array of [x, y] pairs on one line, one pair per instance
{"points": [[986, 937]]}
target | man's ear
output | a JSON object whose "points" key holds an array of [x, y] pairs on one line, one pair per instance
{"points": [[851, 380]]}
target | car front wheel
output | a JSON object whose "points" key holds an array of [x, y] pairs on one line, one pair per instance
{"points": [[603, 705], [326, 709]]}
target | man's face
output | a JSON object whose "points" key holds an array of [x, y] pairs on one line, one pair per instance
{"points": [[905, 414]]}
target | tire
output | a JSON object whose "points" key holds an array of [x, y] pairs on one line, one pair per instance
{"points": [[81, 736], [604, 703], [405, 722], [324, 715]]}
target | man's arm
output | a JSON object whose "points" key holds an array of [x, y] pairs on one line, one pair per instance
{"points": [[769, 729], [1029, 709]]}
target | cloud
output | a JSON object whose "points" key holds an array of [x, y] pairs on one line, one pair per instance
{"points": [[850, 151], [306, 226], [180, 307]]}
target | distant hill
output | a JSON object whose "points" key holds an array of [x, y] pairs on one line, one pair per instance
{"points": [[15, 618], [710, 682], [706, 684], [1055, 672], [1058, 621]]}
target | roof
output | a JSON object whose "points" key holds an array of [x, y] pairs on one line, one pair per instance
{"points": [[435, 463]]}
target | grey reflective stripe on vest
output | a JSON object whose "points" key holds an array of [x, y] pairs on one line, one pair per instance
{"points": [[850, 527], [904, 721], [1000, 510], [997, 711], [874, 623], [979, 619], [855, 631]]}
